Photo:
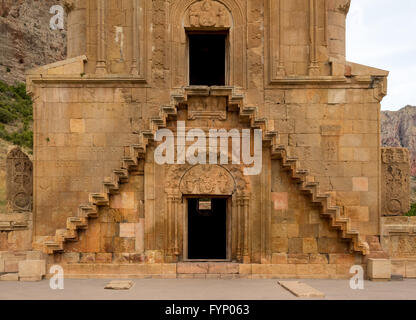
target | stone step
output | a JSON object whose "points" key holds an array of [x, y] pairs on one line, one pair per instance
{"points": [[301, 290], [207, 268], [9, 277]]}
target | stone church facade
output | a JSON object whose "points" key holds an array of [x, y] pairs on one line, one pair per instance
{"points": [[103, 206]]}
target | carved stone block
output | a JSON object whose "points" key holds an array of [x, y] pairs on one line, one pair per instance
{"points": [[208, 14], [395, 184], [209, 179], [19, 182], [207, 108]]}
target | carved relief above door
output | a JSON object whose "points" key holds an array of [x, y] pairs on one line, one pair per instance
{"points": [[206, 180], [228, 181], [207, 13], [208, 16]]}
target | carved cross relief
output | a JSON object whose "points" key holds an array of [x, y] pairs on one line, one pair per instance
{"points": [[19, 181], [395, 186]]}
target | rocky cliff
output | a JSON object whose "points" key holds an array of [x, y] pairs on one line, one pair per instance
{"points": [[26, 40], [398, 129]]}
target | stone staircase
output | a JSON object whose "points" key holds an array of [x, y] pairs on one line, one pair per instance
{"points": [[137, 151]]}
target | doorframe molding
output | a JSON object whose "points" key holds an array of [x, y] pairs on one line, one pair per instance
{"points": [[228, 221]]}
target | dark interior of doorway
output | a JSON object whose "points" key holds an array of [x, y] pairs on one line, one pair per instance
{"points": [[207, 55], [207, 230]]}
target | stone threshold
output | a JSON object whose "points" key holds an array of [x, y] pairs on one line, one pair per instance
{"points": [[190, 270]]}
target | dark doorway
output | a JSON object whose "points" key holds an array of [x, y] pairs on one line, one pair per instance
{"points": [[207, 230], [207, 59]]}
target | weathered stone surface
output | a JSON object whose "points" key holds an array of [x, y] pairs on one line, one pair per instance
{"points": [[398, 267], [399, 236], [32, 270], [35, 255], [119, 285], [192, 267], [277, 220], [411, 268], [31, 278], [11, 265], [103, 257], [379, 269], [19, 182], [301, 290], [279, 258], [127, 230], [71, 257], [395, 186], [9, 277], [223, 268], [87, 258]]}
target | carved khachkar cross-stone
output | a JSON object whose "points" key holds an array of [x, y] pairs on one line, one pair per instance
{"points": [[395, 185], [19, 181]]}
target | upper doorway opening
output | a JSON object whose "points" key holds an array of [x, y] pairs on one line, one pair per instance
{"points": [[207, 59]]}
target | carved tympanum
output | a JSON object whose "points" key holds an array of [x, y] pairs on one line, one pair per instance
{"points": [[19, 181], [395, 181], [207, 179], [208, 13]]}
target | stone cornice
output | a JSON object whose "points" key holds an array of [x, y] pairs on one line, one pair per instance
{"points": [[87, 79], [357, 82], [400, 225], [14, 221]]}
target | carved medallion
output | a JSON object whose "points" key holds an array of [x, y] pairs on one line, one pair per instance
{"points": [[394, 206]]}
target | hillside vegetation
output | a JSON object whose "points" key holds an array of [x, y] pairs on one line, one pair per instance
{"points": [[16, 115], [16, 122]]}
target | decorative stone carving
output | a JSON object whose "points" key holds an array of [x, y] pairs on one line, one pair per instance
{"points": [[344, 6], [207, 108], [208, 14], [187, 179], [207, 179], [395, 181], [19, 181], [398, 236]]}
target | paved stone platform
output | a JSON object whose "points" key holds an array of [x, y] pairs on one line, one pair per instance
{"points": [[178, 289]]}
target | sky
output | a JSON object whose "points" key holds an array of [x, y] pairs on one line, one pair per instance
{"points": [[382, 34]]}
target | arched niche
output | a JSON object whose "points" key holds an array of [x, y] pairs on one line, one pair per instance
{"points": [[221, 15]]}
